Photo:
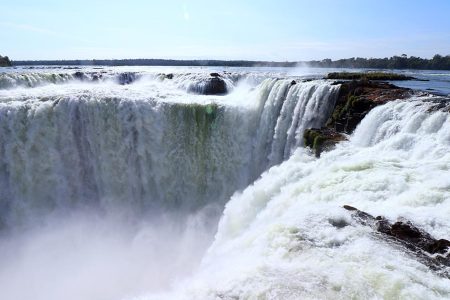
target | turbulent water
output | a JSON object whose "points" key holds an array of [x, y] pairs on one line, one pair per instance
{"points": [[276, 239], [112, 185], [140, 146]]}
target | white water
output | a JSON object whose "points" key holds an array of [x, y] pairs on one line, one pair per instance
{"points": [[276, 239], [147, 145], [114, 191], [110, 191]]}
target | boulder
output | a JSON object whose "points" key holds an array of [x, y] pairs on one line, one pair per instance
{"points": [[322, 139], [126, 78], [79, 75], [211, 86], [435, 253], [96, 77]]}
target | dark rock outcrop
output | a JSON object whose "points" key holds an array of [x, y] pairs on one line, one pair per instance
{"points": [[211, 86], [80, 75], [435, 253], [353, 103], [90, 76], [357, 98], [215, 86], [368, 76], [126, 78], [440, 103], [96, 77], [323, 139]]}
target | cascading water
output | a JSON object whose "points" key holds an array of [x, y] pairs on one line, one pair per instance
{"points": [[132, 172], [147, 153], [288, 237], [111, 187], [286, 110], [14, 80]]}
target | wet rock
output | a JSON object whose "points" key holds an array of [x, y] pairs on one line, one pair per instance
{"points": [[212, 86], [322, 139], [169, 76], [415, 241], [440, 103], [338, 223], [80, 75], [126, 78], [357, 98], [214, 74], [354, 101], [87, 76], [293, 82], [440, 246], [96, 77]]}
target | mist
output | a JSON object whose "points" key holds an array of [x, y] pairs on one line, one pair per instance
{"points": [[93, 255]]}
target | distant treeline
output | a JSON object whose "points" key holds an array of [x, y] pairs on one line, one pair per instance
{"points": [[438, 62], [4, 61], [154, 62]]}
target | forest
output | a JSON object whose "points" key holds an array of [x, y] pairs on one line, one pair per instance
{"points": [[438, 62]]}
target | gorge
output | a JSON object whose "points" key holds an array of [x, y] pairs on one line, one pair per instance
{"points": [[203, 183]]}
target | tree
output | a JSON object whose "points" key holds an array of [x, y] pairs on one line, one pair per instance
{"points": [[4, 61]]}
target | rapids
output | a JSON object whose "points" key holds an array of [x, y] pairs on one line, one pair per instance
{"points": [[137, 146], [276, 239], [136, 186]]}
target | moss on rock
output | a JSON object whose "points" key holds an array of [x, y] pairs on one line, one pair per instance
{"points": [[322, 139], [355, 100], [368, 76]]}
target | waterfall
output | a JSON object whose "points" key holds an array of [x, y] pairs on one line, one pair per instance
{"points": [[120, 180], [287, 109], [14, 80], [279, 238], [86, 145]]}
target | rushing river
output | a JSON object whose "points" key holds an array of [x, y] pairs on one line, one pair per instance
{"points": [[128, 183]]}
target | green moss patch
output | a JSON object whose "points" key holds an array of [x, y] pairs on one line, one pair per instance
{"points": [[368, 76]]}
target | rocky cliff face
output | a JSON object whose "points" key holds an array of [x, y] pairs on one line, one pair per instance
{"points": [[356, 98]]}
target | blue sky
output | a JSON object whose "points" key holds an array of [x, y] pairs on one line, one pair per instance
{"points": [[257, 30]]}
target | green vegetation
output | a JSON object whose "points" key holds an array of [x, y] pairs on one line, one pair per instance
{"points": [[322, 139], [438, 62], [154, 62], [4, 61], [368, 76], [204, 115], [340, 111], [353, 103], [314, 139], [348, 113]]}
